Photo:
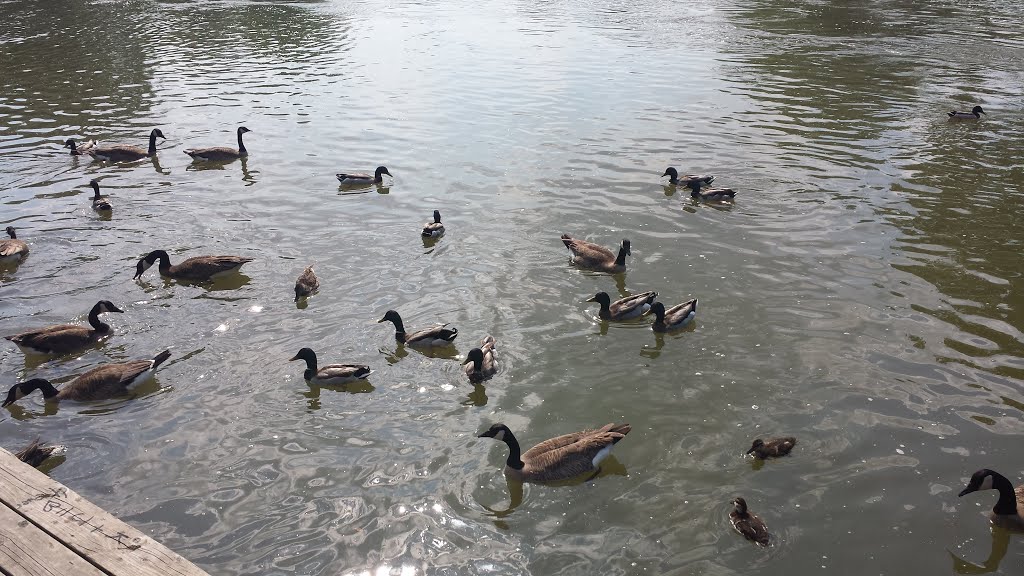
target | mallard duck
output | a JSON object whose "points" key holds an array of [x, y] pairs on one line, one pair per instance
{"points": [[220, 153], [481, 363], [195, 268], [101, 383], [436, 336], [79, 149], [13, 249], [359, 178], [126, 152], [624, 308], [974, 114], [434, 228], [749, 525], [710, 194], [1007, 511], [593, 257], [66, 338], [332, 373], [773, 448], [99, 203], [35, 453], [676, 179], [560, 458], [675, 317], [307, 284]]}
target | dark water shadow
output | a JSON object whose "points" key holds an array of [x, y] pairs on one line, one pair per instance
{"points": [[1000, 544]]}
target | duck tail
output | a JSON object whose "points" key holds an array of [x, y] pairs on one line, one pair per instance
{"points": [[952, 114], [160, 359]]}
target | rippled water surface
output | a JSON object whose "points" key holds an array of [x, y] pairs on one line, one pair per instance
{"points": [[863, 293]]}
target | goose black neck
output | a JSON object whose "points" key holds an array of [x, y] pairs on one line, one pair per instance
{"points": [[621, 259], [241, 147], [1007, 503], [45, 387], [94, 320], [96, 192], [152, 144], [165, 260], [514, 456]]}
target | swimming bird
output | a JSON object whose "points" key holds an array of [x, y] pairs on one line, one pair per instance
{"points": [[13, 249], [66, 338], [1008, 509], [436, 336], [434, 228], [559, 458], [593, 257], [749, 525], [195, 268], [356, 178], [307, 284], [126, 152], [35, 453], [481, 363], [974, 114], [773, 448], [99, 203], [675, 179], [79, 149], [100, 383], [675, 317], [711, 194], [332, 373], [624, 308], [220, 153]]}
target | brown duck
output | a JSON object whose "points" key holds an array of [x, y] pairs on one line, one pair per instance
{"points": [[593, 257], [749, 525]]}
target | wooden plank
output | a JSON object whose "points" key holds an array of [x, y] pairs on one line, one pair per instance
{"points": [[25, 550], [85, 528]]}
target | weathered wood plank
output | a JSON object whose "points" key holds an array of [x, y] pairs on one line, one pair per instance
{"points": [[25, 550], [83, 527]]}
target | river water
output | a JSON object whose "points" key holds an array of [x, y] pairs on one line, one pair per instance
{"points": [[864, 292]]}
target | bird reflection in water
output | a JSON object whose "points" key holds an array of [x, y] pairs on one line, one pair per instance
{"points": [[1000, 543]]}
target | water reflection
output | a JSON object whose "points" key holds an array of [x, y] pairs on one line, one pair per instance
{"points": [[1000, 544]]}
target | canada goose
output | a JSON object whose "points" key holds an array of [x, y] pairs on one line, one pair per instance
{"points": [[195, 268], [332, 373], [675, 317], [126, 152], [65, 338], [307, 284], [1007, 511], [434, 228], [220, 153], [591, 256], [436, 336], [99, 203], [710, 194], [749, 525], [79, 149], [676, 179], [358, 178], [974, 114], [13, 249], [35, 453], [623, 308], [773, 448], [560, 458], [480, 363], [100, 383]]}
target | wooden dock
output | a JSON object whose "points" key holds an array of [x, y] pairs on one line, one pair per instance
{"points": [[48, 530]]}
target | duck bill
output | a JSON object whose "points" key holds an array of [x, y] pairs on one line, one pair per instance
{"points": [[751, 451], [381, 320], [293, 358], [591, 299]]}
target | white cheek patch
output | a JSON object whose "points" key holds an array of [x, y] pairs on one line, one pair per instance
{"points": [[986, 484], [500, 435]]}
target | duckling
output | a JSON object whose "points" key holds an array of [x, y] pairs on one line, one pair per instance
{"points": [[101, 383], [773, 448], [434, 228], [677, 180], [361, 179], [593, 257], [66, 338], [675, 317], [99, 203], [711, 194], [35, 453], [624, 308], [126, 152], [1007, 511], [559, 458], [749, 525], [974, 114], [480, 363], [195, 268], [307, 284], [12, 250], [221, 153], [332, 373], [436, 336], [79, 149]]}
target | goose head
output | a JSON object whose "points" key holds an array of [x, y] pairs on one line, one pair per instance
{"points": [[243, 130], [626, 246], [157, 132], [496, 431], [22, 389], [104, 306], [11, 233], [437, 216], [980, 480]]}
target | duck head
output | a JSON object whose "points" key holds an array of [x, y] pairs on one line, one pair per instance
{"points": [[381, 170], [977, 110], [740, 505], [391, 316], [602, 298], [476, 356], [757, 443], [671, 173], [306, 354]]}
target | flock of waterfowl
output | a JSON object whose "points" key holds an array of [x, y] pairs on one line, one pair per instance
{"points": [[565, 457]]}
